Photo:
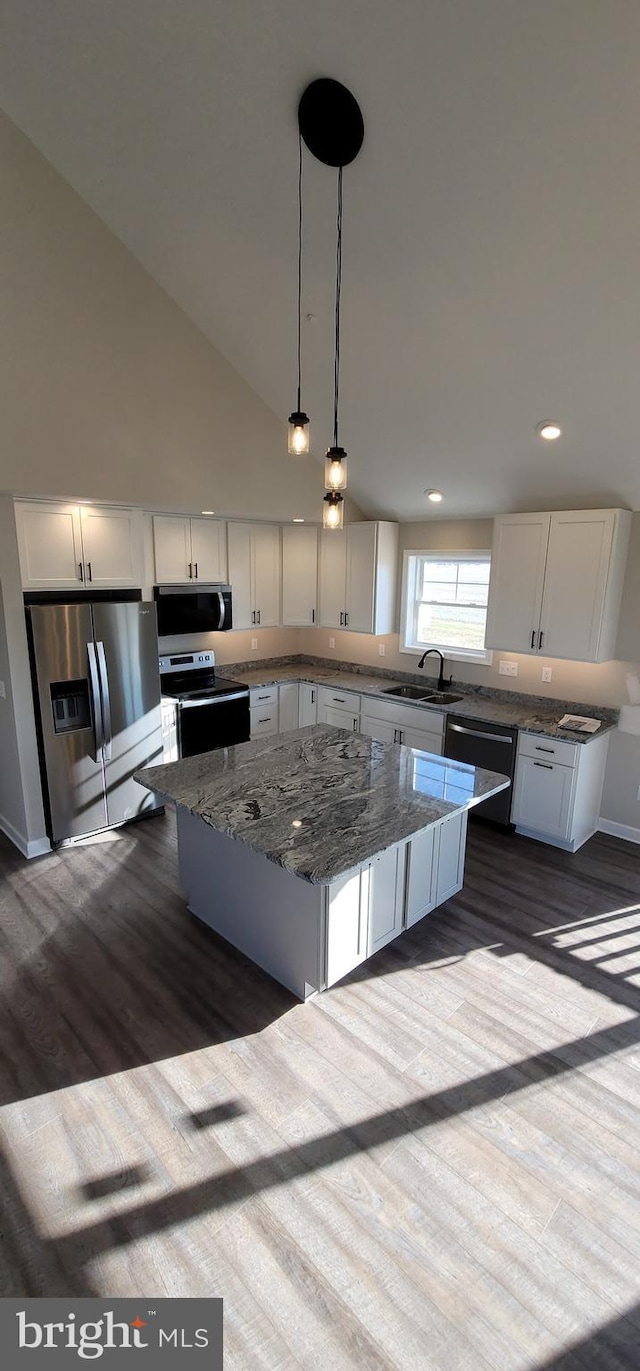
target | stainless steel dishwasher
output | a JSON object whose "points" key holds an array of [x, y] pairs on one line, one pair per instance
{"points": [[488, 745]]}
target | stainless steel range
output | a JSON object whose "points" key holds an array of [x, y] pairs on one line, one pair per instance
{"points": [[200, 711]]}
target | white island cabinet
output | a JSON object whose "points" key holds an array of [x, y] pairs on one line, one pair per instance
{"points": [[556, 583], [311, 851]]}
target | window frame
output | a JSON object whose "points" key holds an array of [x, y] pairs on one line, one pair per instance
{"points": [[483, 657]]}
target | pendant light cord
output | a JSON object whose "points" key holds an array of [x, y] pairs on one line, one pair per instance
{"points": [[336, 367], [299, 268]]}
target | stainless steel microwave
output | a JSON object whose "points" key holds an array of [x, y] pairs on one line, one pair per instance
{"points": [[193, 609]]}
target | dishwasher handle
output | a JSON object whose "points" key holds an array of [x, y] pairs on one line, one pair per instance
{"points": [[475, 733]]}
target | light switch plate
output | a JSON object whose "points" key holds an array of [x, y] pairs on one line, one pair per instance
{"points": [[547, 673], [254, 644], [3, 691], [508, 669], [332, 642], [381, 649]]}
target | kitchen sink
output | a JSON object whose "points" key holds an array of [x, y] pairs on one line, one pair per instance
{"points": [[408, 692], [441, 697]]}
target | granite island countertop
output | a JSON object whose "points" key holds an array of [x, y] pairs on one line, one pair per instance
{"points": [[321, 801], [529, 713]]}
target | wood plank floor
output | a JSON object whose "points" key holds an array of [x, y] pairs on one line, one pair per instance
{"points": [[435, 1165]]}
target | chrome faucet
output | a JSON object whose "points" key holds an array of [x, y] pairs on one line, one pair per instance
{"points": [[442, 684]]}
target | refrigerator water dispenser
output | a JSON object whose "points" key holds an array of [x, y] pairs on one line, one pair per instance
{"points": [[70, 705]]}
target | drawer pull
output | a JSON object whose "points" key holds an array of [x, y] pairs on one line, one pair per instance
{"points": [[544, 749], [268, 721], [338, 699], [547, 765], [263, 697]]}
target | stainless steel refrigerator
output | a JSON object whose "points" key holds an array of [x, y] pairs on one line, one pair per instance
{"points": [[97, 694]]}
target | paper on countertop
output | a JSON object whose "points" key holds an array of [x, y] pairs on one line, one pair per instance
{"points": [[579, 724]]}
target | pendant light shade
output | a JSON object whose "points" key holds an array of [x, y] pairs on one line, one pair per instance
{"points": [[333, 510], [335, 469], [299, 436], [298, 433]]}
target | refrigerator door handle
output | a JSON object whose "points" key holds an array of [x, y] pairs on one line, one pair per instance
{"points": [[223, 609], [96, 705], [106, 702]]}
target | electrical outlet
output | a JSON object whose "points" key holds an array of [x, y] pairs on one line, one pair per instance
{"points": [[3, 691], [547, 673], [381, 649], [254, 644], [508, 669], [332, 642]]}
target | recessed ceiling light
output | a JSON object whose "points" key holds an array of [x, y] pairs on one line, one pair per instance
{"points": [[435, 495], [298, 521], [207, 511], [548, 430]]}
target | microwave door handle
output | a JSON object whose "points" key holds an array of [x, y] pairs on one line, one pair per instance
{"points": [[96, 705], [223, 609], [106, 702]]}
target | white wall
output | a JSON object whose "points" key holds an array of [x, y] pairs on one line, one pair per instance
{"points": [[21, 812], [107, 390]]}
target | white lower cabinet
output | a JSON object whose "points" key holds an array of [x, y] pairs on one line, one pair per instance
{"points": [[263, 708], [308, 705], [341, 708], [369, 909], [557, 789], [288, 706], [413, 725]]}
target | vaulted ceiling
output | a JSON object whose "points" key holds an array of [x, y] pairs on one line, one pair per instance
{"points": [[492, 219]]}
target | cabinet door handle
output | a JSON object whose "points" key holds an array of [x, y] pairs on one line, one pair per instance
{"points": [[190, 571], [80, 572], [313, 697], [547, 765], [196, 567], [259, 613], [341, 618], [540, 637], [313, 616], [253, 616], [533, 637], [89, 572], [346, 618]]}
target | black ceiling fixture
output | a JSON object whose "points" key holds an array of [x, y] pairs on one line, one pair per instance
{"points": [[331, 125]]}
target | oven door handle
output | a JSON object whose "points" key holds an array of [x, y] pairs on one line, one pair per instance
{"points": [[218, 699], [474, 733]]}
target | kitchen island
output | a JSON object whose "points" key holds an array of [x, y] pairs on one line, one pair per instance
{"points": [[310, 851]]}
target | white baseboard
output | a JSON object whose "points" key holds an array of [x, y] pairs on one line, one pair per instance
{"points": [[34, 848], [631, 835]]}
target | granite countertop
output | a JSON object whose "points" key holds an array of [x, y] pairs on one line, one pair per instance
{"points": [[321, 801], [530, 713]]}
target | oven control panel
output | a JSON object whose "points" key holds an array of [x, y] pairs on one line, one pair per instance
{"points": [[187, 661]]}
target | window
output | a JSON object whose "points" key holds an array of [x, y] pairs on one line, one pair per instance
{"points": [[445, 603]]}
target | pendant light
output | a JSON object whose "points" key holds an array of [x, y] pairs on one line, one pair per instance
{"points": [[331, 123], [299, 421]]}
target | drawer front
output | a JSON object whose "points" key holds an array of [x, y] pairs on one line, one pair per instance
{"points": [[404, 716], [542, 796], [339, 699], [548, 749], [263, 695], [264, 720]]}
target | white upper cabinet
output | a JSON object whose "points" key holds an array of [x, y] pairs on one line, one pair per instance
{"points": [[64, 546], [189, 549], [517, 579], [333, 577], [358, 568], [299, 575], [556, 583], [254, 574], [112, 545]]}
